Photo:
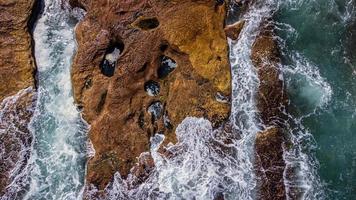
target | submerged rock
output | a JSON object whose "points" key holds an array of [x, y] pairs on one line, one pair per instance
{"points": [[188, 62], [16, 139], [270, 164]]}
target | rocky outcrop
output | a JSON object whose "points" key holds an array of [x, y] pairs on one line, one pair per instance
{"points": [[16, 140], [16, 61], [17, 68], [271, 102], [272, 98], [140, 69]]}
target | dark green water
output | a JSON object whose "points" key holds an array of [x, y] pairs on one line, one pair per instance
{"points": [[318, 43]]}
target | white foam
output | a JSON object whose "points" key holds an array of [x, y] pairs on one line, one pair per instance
{"points": [[315, 88], [13, 129]]}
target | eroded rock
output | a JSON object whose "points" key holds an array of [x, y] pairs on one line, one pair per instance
{"points": [[271, 102], [17, 65], [189, 61], [17, 69]]}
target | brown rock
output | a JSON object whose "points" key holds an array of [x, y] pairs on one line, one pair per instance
{"points": [[17, 67], [186, 35], [233, 31], [142, 169], [16, 62], [272, 97], [16, 139], [270, 164], [271, 102]]}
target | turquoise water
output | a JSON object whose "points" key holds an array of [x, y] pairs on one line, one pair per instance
{"points": [[317, 35], [56, 167]]}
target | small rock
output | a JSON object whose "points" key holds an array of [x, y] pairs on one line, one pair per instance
{"points": [[233, 31]]}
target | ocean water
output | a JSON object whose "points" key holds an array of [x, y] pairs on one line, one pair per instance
{"points": [[317, 40]]}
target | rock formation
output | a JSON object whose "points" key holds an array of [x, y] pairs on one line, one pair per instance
{"points": [[271, 102], [172, 63], [16, 139], [16, 62], [17, 69]]}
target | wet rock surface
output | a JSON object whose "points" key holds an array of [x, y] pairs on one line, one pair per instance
{"points": [[17, 65], [17, 68], [271, 102], [272, 97], [15, 137], [233, 30], [270, 164], [180, 45]]}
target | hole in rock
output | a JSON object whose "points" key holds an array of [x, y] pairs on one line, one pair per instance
{"points": [[148, 23], [220, 2], [167, 122], [88, 83], [143, 68], [79, 107], [101, 102], [163, 47], [167, 66], [152, 88], [155, 109], [141, 120], [112, 53]]}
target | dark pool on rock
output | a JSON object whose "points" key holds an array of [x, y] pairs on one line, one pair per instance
{"points": [[112, 54], [167, 65], [152, 88], [156, 110]]}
